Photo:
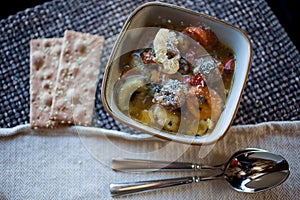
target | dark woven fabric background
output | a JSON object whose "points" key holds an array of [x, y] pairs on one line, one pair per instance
{"points": [[272, 92]]}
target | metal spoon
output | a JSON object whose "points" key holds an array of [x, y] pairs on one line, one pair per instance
{"points": [[138, 165], [247, 171]]}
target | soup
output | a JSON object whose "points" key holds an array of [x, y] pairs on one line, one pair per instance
{"points": [[179, 82]]}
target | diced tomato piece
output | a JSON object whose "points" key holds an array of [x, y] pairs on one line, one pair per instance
{"points": [[198, 80], [202, 93], [235, 162], [206, 37], [147, 57]]}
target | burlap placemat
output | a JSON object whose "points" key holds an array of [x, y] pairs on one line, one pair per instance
{"points": [[59, 164]]}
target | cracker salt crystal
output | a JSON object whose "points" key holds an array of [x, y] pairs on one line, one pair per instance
{"points": [[44, 60], [77, 78]]}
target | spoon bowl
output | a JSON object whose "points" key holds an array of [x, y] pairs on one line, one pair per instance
{"points": [[248, 170], [256, 171]]}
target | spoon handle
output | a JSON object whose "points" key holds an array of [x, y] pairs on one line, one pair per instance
{"points": [[134, 165], [118, 189]]}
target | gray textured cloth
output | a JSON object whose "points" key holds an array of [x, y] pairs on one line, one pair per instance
{"points": [[74, 163]]}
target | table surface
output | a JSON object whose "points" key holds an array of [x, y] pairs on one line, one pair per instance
{"points": [[272, 92], [39, 165]]}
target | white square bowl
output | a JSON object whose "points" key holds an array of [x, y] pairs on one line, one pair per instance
{"points": [[157, 14]]}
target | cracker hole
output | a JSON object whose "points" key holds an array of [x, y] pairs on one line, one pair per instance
{"points": [[47, 44], [67, 53], [80, 47], [75, 71], [38, 61], [47, 86]]}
